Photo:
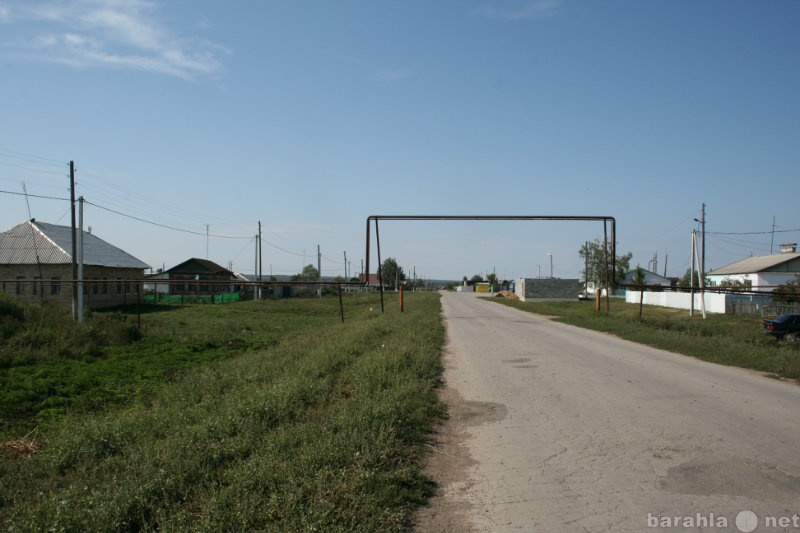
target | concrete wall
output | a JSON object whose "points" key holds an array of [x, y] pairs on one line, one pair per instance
{"points": [[528, 288], [715, 303]]}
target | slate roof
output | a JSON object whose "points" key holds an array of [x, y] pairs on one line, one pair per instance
{"points": [[52, 244], [196, 265], [758, 263], [650, 278]]}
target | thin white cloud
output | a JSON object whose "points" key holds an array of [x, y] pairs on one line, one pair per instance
{"points": [[109, 34], [391, 75], [538, 9]]}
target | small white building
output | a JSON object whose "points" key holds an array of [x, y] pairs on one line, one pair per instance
{"points": [[762, 272]]}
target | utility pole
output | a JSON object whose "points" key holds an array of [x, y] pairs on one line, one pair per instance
{"points": [[74, 242], [772, 239], [703, 250], [586, 265], [702, 259], [80, 260], [345, 265], [260, 260], [319, 270], [255, 266]]}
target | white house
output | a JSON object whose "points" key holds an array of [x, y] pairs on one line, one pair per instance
{"points": [[763, 272]]}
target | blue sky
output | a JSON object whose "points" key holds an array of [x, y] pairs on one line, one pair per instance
{"points": [[312, 115]]}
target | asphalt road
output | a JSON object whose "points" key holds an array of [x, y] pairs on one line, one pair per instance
{"points": [[557, 428]]}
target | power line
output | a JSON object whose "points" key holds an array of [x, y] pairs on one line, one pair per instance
{"points": [[182, 230], [751, 232], [29, 157], [282, 249], [35, 195], [157, 224]]}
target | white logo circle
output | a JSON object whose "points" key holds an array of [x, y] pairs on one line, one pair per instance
{"points": [[746, 521]]}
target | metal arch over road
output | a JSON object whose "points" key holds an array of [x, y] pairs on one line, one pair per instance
{"points": [[604, 219]]}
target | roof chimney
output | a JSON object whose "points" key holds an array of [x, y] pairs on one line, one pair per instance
{"points": [[789, 248]]}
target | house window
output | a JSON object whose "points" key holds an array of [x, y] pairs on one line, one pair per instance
{"points": [[55, 286], [20, 284]]}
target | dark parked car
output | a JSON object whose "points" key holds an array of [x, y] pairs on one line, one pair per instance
{"points": [[784, 327]]}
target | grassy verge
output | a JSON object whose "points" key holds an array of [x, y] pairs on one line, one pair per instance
{"points": [[283, 419], [734, 340]]}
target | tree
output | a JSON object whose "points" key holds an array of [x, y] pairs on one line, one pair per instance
{"points": [[788, 292], [639, 279], [391, 273], [735, 285], [477, 278], [309, 273], [688, 281], [597, 259]]}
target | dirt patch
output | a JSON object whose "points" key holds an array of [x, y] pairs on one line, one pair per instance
{"points": [[448, 464], [733, 477]]}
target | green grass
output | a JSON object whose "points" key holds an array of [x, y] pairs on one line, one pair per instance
{"points": [[734, 340], [267, 415], [274, 416]]}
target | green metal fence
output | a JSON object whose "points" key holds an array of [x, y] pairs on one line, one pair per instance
{"points": [[180, 299]]}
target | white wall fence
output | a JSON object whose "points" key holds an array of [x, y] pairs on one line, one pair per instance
{"points": [[715, 302]]}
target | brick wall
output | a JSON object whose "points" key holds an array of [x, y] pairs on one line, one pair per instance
{"points": [[103, 286]]}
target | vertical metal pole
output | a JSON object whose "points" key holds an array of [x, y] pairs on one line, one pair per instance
{"points": [[74, 242], [341, 306], [691, 275], [401, 298], [80, 261], [380, 269], [605, 257], [703, 249]]}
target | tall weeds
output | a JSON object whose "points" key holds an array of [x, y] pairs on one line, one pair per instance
{"points": [[317, 430]]}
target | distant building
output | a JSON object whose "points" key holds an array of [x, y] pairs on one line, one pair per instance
{"points": [[193, 277], [372, 280], [36, 267], [761, 272], [650, 278]]}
